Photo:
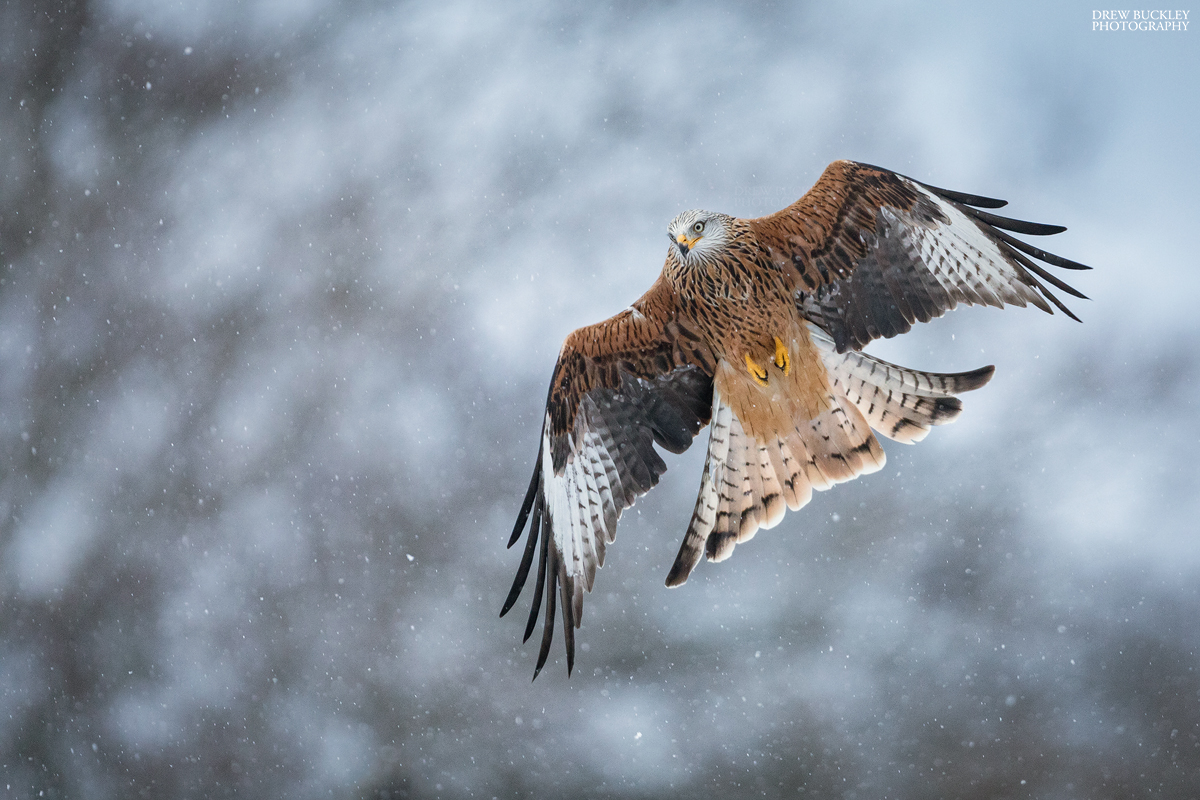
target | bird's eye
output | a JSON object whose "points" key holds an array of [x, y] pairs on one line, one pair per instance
{"points": [[698, 227]]}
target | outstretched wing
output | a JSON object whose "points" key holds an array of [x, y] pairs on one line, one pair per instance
{"points": [[620, 386], [872, 252]]}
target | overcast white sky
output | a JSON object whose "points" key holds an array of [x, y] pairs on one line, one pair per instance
{"points": [[281, 287]]}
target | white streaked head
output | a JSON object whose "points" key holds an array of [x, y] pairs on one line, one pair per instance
{"points": [[697, 236]]}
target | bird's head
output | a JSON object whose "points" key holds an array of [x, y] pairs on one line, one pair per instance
{"points": [[698, 235]]}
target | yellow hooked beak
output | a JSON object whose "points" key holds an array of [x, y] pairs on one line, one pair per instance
{"points": [[685, 242]]}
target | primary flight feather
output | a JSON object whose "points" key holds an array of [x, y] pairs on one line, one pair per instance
{"points": [[755, 327]]}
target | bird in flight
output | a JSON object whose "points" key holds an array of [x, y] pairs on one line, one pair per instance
{"points": [[756, 327]]}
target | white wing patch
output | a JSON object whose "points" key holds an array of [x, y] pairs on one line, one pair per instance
{"points": [[581, 508], [586, 500], [967, 262]]}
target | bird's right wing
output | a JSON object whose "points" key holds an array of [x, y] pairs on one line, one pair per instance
{"points": [[619, 387]]}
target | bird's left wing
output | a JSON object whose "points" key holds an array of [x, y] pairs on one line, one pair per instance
{"points": [[872, 251], [620, 386]]}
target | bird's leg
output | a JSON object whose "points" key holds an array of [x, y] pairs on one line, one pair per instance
{"points": [[781, 357], [758, 373]]}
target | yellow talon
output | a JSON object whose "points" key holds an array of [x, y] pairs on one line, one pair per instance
{"points": [[781, 357], [756, 371]]}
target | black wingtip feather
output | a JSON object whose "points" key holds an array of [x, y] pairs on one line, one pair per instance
{"points": [[526, 559], [527, 503], [1046, 276], [541, 579], [977, 200], [1038, 253], [1017, 225], [1036, 270], [548, 629], [568, 617], [1060, 305]]}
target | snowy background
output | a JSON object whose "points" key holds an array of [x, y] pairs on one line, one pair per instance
{"points": [[281, 287]]}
